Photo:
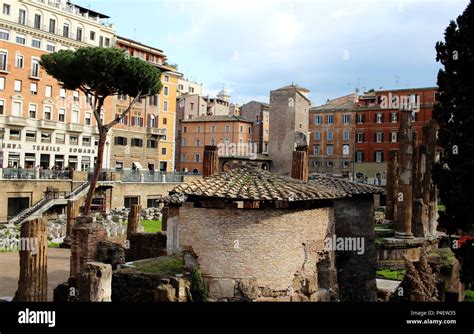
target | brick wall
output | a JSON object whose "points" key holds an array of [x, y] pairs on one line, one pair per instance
{"points": [[267, 245]]}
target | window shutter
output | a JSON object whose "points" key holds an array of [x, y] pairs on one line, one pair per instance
{"points": [[149, 120]]}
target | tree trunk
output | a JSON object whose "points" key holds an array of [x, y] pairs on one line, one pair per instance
{"points": [[98, 167]]}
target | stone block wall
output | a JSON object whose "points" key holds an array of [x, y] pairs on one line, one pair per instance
{"points": [[271, 247], [146, 246]]}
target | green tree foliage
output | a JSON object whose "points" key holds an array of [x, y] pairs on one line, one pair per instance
{"points": [[455, 116], [101, 73], [198, 287]]}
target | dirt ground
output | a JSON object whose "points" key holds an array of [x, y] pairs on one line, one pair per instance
{"points": [[58, 271]]}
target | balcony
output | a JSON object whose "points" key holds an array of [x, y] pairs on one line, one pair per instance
{"points": [[35, 74], [17, 121], [47, 124], [75, 127], [4, 68], [157, 132]]}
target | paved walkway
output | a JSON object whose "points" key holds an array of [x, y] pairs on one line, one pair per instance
{"points": [[389, 285], [58, 271]]}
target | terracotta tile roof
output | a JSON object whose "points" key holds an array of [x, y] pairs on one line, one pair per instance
{"points": [[244, 183], [351, 188], [173, 199]]}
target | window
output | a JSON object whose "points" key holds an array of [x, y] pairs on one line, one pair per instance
{"points": [[31, 136], [163, 151], [101, 41], [136, 142], [152, 143], [413, 116], [360, 118], [185, 142], [73, 140], [37, 22], [129, 201], [329, 164], [180, 87], [36, 43], [86, 141], [2, 83], [198, 129], [88, 118], [2, 107], [75, 116], [394, 117], [318, 120], [394, 137], [34, 88], [346, 119], [4, 34], [3, 61], [379, 137], [48, 91], [379, 118], [75, 95], [21, 39], [379, 156], [330, 119], [66, 30], [62, 115], [17, 109], [52, 26], [191, 89], [213, 128], [185, 129], [32, 110], [19, 61], [35, 68], [60, 138], [154, 100], [46, 137], [192, 106], [120, 141], [330, 136], [165, 121], [62, 93], [198, 142], [241, 129], [167, 78], [166, 91], [197, 158], [165, 106], [227, 128], [152, 121], [360, 137], [346, 135], [22, 17], [15, 134], [92, 36], [17, 86], [79, 34], [359, 156], [6, 9], [316, 149], [330, 150], [213, 142], [107, 42], [47, 112], [50, 47]]}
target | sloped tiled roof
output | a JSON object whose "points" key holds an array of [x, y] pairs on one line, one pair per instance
{"points": [[351, 188], [245, 183], [173, 199]]}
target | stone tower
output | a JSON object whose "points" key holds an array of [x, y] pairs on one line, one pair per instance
{"points": [[289, 125]]}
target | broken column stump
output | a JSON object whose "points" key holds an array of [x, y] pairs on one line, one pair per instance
{"points": [[33, 281], [391, 184], [299, 166], [86, 234], [95, 282], [72, 214], [133, 220]]}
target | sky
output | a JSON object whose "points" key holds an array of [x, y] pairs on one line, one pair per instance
{"points": [[331, 47]]}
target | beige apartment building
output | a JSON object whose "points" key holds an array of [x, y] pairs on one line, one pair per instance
{"points": [[42, 124], [259, 113], [186, 86]]}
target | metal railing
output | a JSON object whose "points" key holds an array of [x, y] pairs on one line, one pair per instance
{"points": [[34, 174]]}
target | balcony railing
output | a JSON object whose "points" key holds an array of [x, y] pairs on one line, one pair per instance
{"points": [[5, 68], [55, 31], [35, 73], [157, 132], [34, 174], [15, 120], [47, 124]]}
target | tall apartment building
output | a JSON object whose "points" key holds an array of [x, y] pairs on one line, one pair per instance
{"points": [[200, 131], [42, 124], [332, 133], [259, 114], [288, 125], [145, 139], [377, 126]]}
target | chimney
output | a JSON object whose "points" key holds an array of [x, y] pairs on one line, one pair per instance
{"points": [[299, 167], [211, 161]]}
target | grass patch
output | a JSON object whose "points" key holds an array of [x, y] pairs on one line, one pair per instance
{"points": [[151, 226], [53, 245], [165, 265], [469, 296], [441, 208], [394, 275], [445, 255]]}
